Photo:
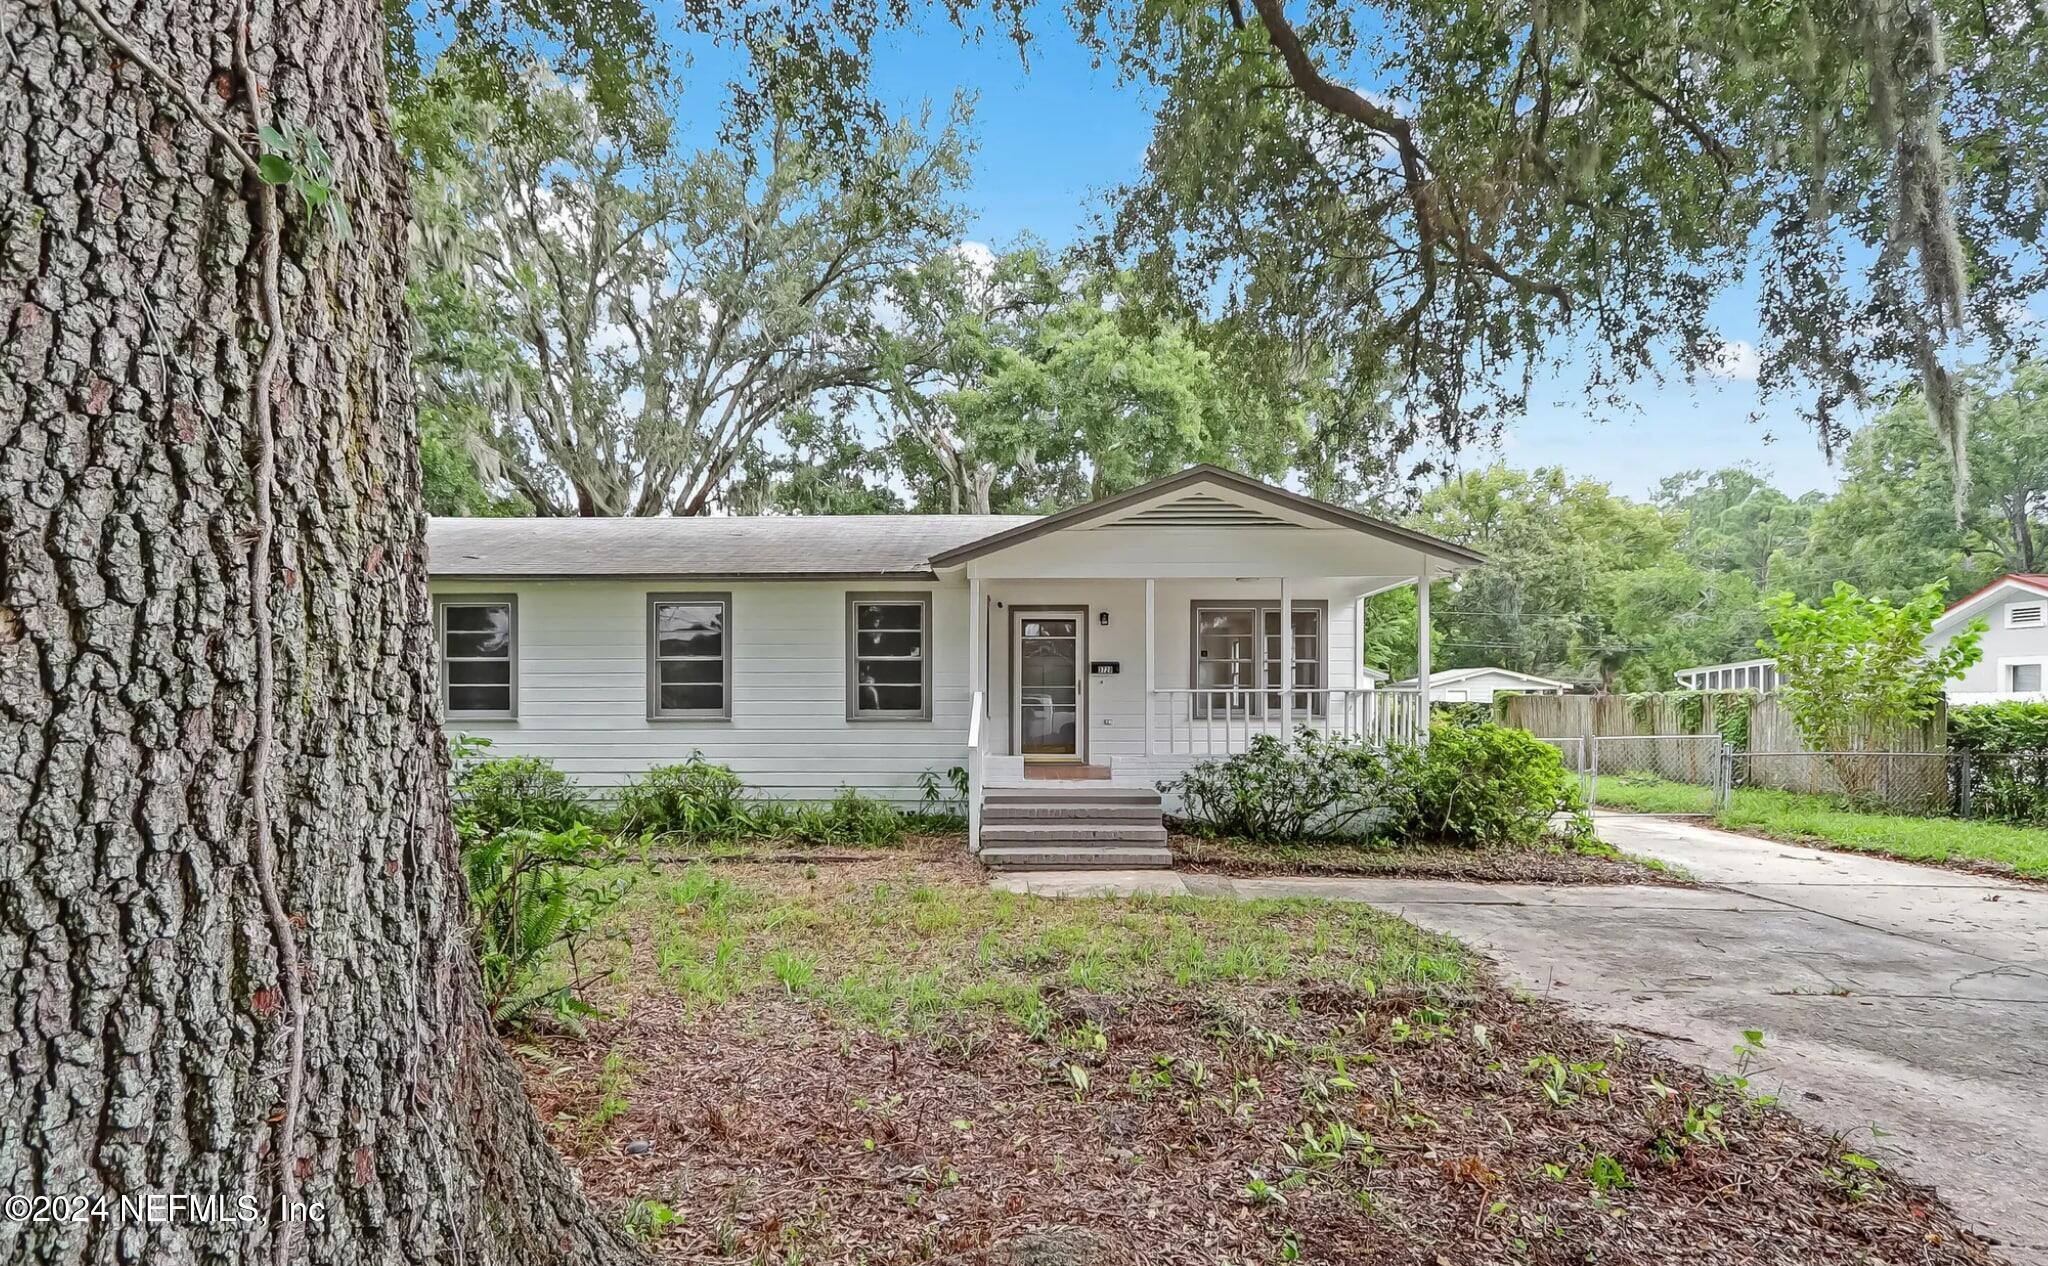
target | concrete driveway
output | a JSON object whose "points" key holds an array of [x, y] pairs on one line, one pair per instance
{"points": [[1902, 997]]}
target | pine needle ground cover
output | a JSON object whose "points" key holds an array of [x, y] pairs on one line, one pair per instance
{"points": [[883, 1061]]}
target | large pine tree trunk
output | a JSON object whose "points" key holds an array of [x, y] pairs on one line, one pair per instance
{"points": [[146, 1036]]}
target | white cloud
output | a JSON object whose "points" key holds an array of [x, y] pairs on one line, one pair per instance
{"points": [[1737, 361], [978, 258]]}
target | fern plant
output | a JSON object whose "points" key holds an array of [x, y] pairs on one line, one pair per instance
{"points": [[537, 895]]}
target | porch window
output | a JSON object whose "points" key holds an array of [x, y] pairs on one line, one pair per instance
{"points": [[689, 656], [479, 637], [1236, 663], [888, 657]]}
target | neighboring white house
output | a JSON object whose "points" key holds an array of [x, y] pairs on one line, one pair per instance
{"points": [[1121, 640], [1479, 685], [2015, 643], [2015, 647], [1742, 674]]}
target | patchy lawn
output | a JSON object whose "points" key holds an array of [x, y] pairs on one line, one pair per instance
{"points": [[1998, 847], [883, 1061], [1593, 862]]}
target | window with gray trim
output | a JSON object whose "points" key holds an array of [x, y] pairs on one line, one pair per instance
{"points": [[888, 656], [689, 655], [479, 636], [1237, 651]]}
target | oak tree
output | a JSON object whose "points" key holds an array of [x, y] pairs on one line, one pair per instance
{"points": [[1426, 199], [658, 312], [232, 926]]}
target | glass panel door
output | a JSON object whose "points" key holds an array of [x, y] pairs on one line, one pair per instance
{"points": [[1308, 661], [1049, 703], [1226, 661]]}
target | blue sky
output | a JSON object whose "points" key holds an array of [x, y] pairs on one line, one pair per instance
{"points": [[1054, 140]]}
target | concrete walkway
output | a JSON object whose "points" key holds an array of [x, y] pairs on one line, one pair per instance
{"points": [[1891, 995]]}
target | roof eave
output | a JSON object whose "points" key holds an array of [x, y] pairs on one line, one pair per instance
{"points": [[683, 577], [1968, 606]]}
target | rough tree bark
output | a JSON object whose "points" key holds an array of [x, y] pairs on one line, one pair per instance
{"points": [[145, 1035]]}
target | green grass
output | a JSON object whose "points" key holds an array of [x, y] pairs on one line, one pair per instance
{"points": [[1792, 816], [909, 952], [1647, 793]]}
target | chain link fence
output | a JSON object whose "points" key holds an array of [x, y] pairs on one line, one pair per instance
{"points": [[1915, 783], [2005, 786], [1698, 775], [1676, 774], [1577, 758]]}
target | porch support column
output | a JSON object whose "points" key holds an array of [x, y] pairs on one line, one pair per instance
{"points": [[1286, 660], [1422, 653], [1151, 658], [976, 654]]}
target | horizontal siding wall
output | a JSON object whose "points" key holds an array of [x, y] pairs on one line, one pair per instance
{"points": [[583, 690], [582, 676]]}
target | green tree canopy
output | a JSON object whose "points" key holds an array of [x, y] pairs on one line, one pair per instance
{"points": [[638, 320], [1428, 196], [1048, 388], [1891, 529]]}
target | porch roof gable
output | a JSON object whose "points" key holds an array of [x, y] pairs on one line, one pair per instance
{"points": [[1216, 512]]}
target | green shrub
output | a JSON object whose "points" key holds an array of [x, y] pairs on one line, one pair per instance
{"points": [[695, 798], [848, 819], [1481, 786], [1461, 712], [2011, 726], [1311, 786], [943, 806], [493, 795], [531, 891]]}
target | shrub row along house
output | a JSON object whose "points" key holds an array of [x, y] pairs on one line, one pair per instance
{"points": [[1073, 658]]}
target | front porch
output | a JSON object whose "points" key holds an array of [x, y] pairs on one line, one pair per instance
{"points": [[1136, 636], [1130, 680]]}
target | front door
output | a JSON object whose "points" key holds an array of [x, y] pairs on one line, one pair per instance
{"points": [[1049, 702]]}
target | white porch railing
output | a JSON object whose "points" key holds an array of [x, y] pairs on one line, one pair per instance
{"points": [[1221, 722], [974, 775]]}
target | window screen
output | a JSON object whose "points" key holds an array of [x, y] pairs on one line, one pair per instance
{"points": [[479, 642], [689, 655], [888, 657]]}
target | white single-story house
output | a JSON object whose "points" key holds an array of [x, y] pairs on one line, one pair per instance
{"points": [[2014, 664], [2014, 647], [1479, 685], [1116, 642], [1742, 674]]}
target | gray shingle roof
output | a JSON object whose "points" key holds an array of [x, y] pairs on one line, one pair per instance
{"points": [[787, 547]]}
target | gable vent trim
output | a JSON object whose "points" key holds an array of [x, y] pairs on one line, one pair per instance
{"points": [[1197, 512]]}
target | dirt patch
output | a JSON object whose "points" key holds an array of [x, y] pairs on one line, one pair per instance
{"points": [[1555, 865], [1263, 1120]]}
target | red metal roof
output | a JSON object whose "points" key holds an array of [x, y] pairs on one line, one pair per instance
{"points": [[2032, 580]]}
